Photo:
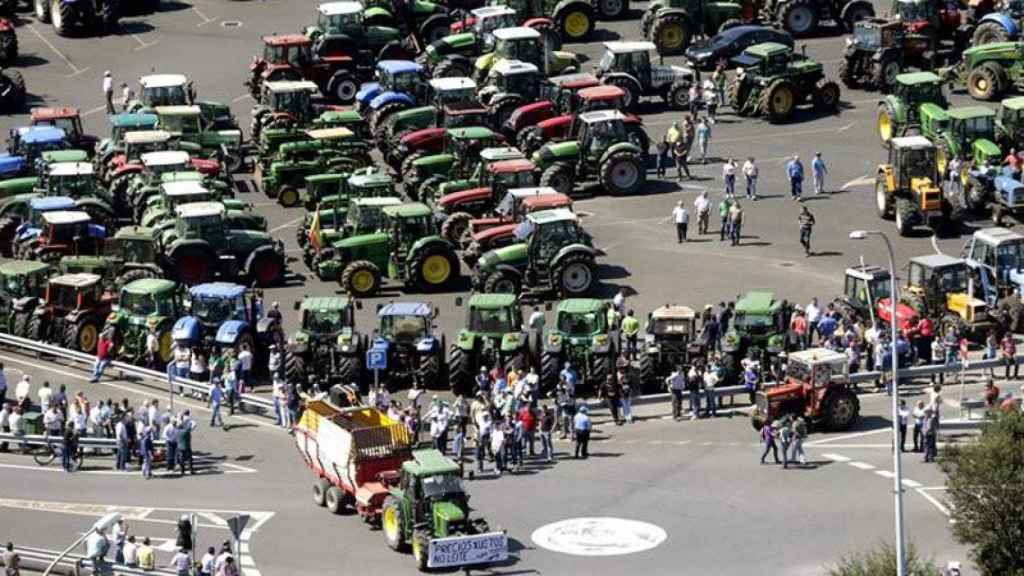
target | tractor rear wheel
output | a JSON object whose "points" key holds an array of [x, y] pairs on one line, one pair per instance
{"points": [[611, 9], [348, 369], [295, 368], [799, 18], [550, 366], [631, 91], [503, 109], [905, 211], [460, 371], [840, 410], [193, 265], [8, 226], [429, 371], [623, 173], [267, 269], [987, 81], [500, 282], [133, 275], [394, 51], [988, 33], [826, 97], [600, 370], [575, 23], [549, 35], [63, 15], [575, 275], [434, 28], [392, 524], [12, 98], [885, 120], [883, 199], [529, 139], [343, 87], [558, 176], [36, 329], [20, 326], [81, 335], [42, 10], [778, 101], [736, 97], [450, 68], [320, 488], [288, 196], [430, 189], [856, 14], [678, 97], [9, 47], [454, 226], [435, 268], [361, 279], [648, 382], [884, 73], [671, 35]]}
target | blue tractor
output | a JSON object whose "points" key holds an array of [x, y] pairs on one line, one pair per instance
{"points": [[25, 147], [88, 16], [33, 222], [1001, 26], [400, 84], [226, 315], [406, 336]]}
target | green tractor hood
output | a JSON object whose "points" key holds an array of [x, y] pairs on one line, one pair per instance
{"points": [[551, 153], [446, 514], [15, 186], [512, 255], [985, 151], [412, 118], [362, 240]]}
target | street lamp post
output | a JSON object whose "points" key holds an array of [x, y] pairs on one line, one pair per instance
{"points": [[897, 478], [103, 523]]}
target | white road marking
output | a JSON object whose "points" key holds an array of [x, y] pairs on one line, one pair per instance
{"points": [[836, 446], [884, 473], [206, 20], [288, 224], [95, 110], [682, 442], [846, 436], [862, 465], [934, 501], [214, 518], [598, 536], [861, 181], [55, 467], [935, 245], [59, 54], [836, 457], [239, 99], [911, 483]]}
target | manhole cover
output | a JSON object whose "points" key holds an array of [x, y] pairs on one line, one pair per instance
{"points": [[786, 264], [231, 24], [598, 536]]}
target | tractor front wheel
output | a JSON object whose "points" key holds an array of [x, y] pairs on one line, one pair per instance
{"points": [[883, 199], [455, 226], [348, 369], [576, 275], [678, 97], [779, 100], [558, 176], [646, 374], [63, 15], [575, 23], [840, 411], [885, 120], [343, 87], [884, 73], [392, 524], [429, 371], [320, 488], [529, 139], [430, 189], [905, 212], [549, 370], [501, 283], [460, 371], [435, 269], [671, 35], [826, 97], [631, 91], [987, 81], [989, 33], [288, 197], [42, 10], [623, 173], [420, 546], [452, 69], [295, 368], [133, 275], [361, 279], [611, 9], [799, 18]]}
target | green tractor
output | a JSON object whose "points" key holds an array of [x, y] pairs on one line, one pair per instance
{"points": [[326, 346], [580, 337], [901, 110], [966, 132], [493, 336], [159, 208], [554, 254], [374, 24], [406, 248], [133, 253], [22, 286], [283, 105], [327, 150], [427, 506], [144, 305], [602, 151], [526, 45], [120, 124], [186, 124], [773, 80], [1010, 122], [447, 95], [673, 24], [462, 146], [989, 71], [452, 55], [328, 197], [758, 331], [363, 217]]}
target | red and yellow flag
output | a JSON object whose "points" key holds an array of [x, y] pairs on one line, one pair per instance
{"points": [[315, 239]]}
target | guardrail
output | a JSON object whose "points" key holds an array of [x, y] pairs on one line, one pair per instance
{"points": [[151, 378], [52, 439], [36, 560]]}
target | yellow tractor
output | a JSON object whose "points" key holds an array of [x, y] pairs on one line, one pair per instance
{"points": [[942, 287], [907, 189]]}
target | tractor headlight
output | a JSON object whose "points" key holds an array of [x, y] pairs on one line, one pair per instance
{"points": [[345, 342], [601, 343]]}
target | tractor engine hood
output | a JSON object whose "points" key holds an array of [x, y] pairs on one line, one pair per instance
{"points": [[906, 315], [495, 232], [510, 255], [464, 196], [230, 331], [10, 165], [187, 328], [662, 74], [367, 92], [512, 341], [207, 166], [419, 137], [550, 125], [448, 512], [539, 108]]}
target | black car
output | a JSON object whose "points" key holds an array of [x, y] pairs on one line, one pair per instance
{"points": [[707, 54]]}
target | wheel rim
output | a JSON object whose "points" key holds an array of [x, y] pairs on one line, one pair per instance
{"points": [[782, 100], [880, 198], [166, 342], [799, 20], [560, 183], [289, 197], [87, 338], [842, 411], [267, 270], [577, 24], [436, 269], [505, 286], [346, 90], [981, 84], [390, 524], [362, 281], [671, 37], [576, 277], [892, 70], [612, 7], [625, 175], [884, 126]]}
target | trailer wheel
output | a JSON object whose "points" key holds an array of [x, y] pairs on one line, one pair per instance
{"points": [[335, 500], [320, 488], [391, 524]]}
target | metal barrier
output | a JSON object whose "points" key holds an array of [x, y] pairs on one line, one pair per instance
{"points": [[51, 439], [36, 559], [149, 377]]}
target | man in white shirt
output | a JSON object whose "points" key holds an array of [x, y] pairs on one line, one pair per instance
{"points": [[682, 219], [131, 552], [51, 422], [45, 396], [813, 313], [703, 208], [619, 301], [152, 349], [181, 563], [23, 389], [206, 564], [108, 92], [439, 417], [729, 176], [245, 366], [750, 173]]}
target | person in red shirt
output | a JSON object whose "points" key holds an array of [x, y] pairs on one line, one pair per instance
{"points": [[1009, 346], [529, 420], [991, 394], [798, 325], [103, 350], [1012, 160]]}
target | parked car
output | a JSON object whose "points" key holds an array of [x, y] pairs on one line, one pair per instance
{"points": [[707, 54]]}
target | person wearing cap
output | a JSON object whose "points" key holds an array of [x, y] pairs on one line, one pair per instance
{"points": [[108, 92], [581, 426], [682, 219], [819, 170], [275, 312], [795, 172]]}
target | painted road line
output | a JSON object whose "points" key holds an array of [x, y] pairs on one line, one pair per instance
{"points": [[884, 473], [92, 111], [200, 471], [847, 436], [214, 518], [862, 465], [239, 99], [911, 483], [288, 224], [59, 54], [836, 446], [934, 501], [836, 457], [682, 442]]}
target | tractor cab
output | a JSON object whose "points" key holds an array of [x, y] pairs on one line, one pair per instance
{"points": [[405, 322], [72, 179], [493, 315], [917, 88], [66, 118], [633, 58], [394, 79], [511, 205], [582, 318], [201, 221], [673, 324], [293, 97], [512, 77], [370, 184], [1010, 119], [974, 129], [123, 124], [287, 50], [871, 34], [215, 303], [337, 18], [165, 90], [913, 160], [519, 43], [488, 19], [22, 279], [865, 285], [816, 368], [998, 256], [767, 60], [148, 297], [174, 194], [66, 232], [139, 143], [548, 231], [366, 215], [325, 318], [507, 175], [758, 316], [453, 92], [599, 130], [407, 223], [134, 245], [943, 287], [156, 164], [68, 292], [181, 121], [30, 142], [430, 487], [561, 90]]}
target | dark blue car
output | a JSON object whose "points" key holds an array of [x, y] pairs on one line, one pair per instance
{"points": [[722, 47]]}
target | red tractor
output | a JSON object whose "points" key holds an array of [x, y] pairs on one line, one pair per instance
{"points": [[557, 96], [68, 119], [602, 97], [481, 196], [816, 387], [491, 232], [8, 42], [933, 18]]}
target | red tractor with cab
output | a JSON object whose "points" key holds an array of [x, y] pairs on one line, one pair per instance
{"points": [[816, 387], [602, 97], [68, 119], [497, 230]]}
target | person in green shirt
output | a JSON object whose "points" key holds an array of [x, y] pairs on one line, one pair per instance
{"points": [[723, 213], [612, 317], [630, 329]]}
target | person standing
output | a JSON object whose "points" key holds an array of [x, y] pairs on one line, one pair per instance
{"points": [[806, 221], [667, 144], [181, 563], [931, 431], [723, 215], [661, 160], [581, 426], [955, 186], [676, 384], [547, 427], [127, 95], [245, 381], [612, 393], [152, 349], [119, 532], [795, 171], [498, 445], [799, 435], [170, 438], [216, 399], [904, 416], [919, 415], [703, 139], [207, 561], [729, 177], [103, 349], [694, 94], [820, 170], [131, 553], [682, 219], [786, 435], [735, 223], [813, 312], [768, 438], [12, 561], [631, 331], [108, 92], [702, 206], [184, 439], [694, 382], [710, 396], [3, 385], [680, 152], [1009, 350], [69, 449], [750, 174], [147, 556]]}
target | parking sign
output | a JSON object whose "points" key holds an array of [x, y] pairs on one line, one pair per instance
{"points": [[376, 360]]}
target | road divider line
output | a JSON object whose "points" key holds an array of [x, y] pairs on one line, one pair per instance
{"points": [[288, 224], [836, 457], [934, 501], [884, 473], [95, 110], [59, 54], [862, 465], [911, 483], [239, 99], [847, 436]]}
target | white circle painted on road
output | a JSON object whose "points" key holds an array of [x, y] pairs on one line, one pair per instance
{"points": [[598, 536]]}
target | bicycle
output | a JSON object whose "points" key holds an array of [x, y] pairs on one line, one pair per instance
{"points": [[45, 454]]}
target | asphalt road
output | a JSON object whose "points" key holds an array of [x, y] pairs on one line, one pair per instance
{"points": [[700, 482]]}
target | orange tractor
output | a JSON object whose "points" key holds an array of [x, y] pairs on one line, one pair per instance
{"points": [[816, 386]]}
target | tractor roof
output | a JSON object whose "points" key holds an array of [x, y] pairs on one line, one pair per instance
{"points": [[47, 203], [512, 67], [405, 309], [180, 110], [501, 153], [43, 134], [287, 40], [408, 210], [22, 267], [867, 272], [135, 233], [429, 462], [491, 11], [51, 114], [72, 155], [78, 280], [527, 192], [818, 356], [452, 84], [575, 81], [325, 303], [59, 217], [371, 179], [492, 301], [938, 261], [581, 305], [149, 286], [915, 78], [997, 235], [628, 47], [673, 312], [601, 92], [163, 80], [768, 49], [330, 133], [218, 290], [132, 120], [511, 166], [200, 209], [382, 201], [471, 133], [336, 8], [756, 303], [165, 158], [184, 188], [399, 67], [912, 142], [601, 116], [147, 136], [517, 33], [548, 216], [546, 201], [182, 176], [1015, 103], [291, 86], [969, 112], [71, 169]]}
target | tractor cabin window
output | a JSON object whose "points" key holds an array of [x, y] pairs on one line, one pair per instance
{"points": [[491, 321]]}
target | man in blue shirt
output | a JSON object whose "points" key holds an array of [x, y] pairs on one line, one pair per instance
{"points": [[581, 429], [568, 375], [820, 170], [795, 171]]}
